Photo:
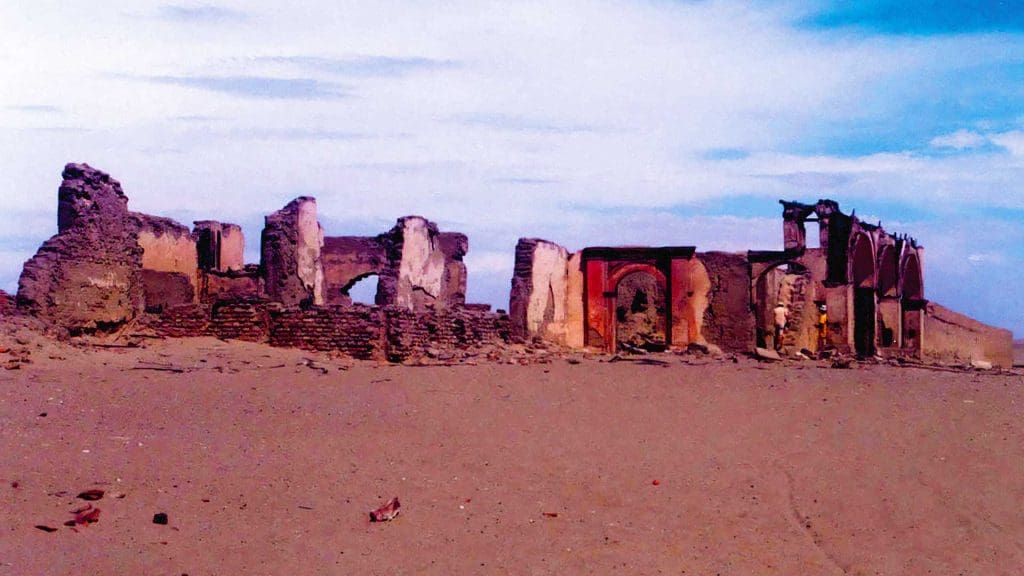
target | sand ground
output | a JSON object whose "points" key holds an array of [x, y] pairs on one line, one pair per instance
{"points": [[266, 465]]}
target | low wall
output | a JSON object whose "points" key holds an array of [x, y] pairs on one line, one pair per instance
{"points": [[388, 333], [952, 337]]}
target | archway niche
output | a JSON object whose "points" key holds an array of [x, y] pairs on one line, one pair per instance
{"points": [[912, 303], [641, 318], [889, 310], [863, 275], [362, 289], [786, 283]]}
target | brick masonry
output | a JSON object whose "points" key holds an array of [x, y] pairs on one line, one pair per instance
{"points": [[391, 333]]}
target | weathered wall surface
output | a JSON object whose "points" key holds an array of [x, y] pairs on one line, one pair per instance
{"points": [[425, 268], [168, 247], [574, 302], [952, 337], [290, 256], [689, 291], [418, 267], [87, 276], [244, 283], [220, 246], [367, 332], [539, 296], [348, 259], [165, 289], [728, 320]]}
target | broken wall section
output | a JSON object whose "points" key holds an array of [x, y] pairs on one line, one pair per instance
{"points": [[952, 337], [425, 268], [87, 276], [291, 254], [169, 273], [417, 266], [539, 298]]}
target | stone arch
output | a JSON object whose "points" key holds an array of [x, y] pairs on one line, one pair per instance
{"points": [[863, 273], [358, 296], [888, 271], [911, 277], [641, 310], [863, 277], [772, 285], [912, 302], [889, 314]]}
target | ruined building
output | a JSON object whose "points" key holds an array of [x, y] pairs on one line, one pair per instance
{"points": [[870, 282], [108, 268]]}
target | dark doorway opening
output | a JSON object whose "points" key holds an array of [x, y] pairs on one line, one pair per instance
{"points": [[864, 321], [640, 313]]}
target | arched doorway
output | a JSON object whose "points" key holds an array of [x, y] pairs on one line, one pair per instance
{"points": [[912, 282], [361, 289], [862, 275], [640, 312], [788, 283], [889, 317]]}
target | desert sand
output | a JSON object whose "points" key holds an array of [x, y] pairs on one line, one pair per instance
{"points": [[268, 461]]}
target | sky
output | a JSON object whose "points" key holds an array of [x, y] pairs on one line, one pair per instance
{"points": [[620, 122]]}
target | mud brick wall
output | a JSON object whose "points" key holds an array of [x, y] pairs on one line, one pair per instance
{"points": [[394, 333], [728, 319], [87, 276], [188, 320], [353, 330], [411, 334], [240, 320], [164, 289], [230, 285]]}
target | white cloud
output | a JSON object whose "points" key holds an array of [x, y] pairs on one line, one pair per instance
{"points": [[959, 140], [1012, 141]]}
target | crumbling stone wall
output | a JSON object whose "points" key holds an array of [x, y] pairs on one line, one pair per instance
{"points": [[728, 319], [418, 267], [347, 260], [243, 283], [952, 337], [290, 255], [425, 269], [87, 276], [168, 261], [220, 246], [539, 295]]}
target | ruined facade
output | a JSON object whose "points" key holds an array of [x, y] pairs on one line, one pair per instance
{"points": [[870, 283], [107, 267]]}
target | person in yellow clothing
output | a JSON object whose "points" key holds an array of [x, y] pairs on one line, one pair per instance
{"points": [[822, 327]]}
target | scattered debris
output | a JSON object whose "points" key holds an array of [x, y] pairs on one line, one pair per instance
{"points": [[313, 365], [158, 367], [91, 495], [656, 482], [981, 365], [160, 518], [550, 514], [45, 528], [386, 512], [767, 355], [842, 363], [84, 515]]}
